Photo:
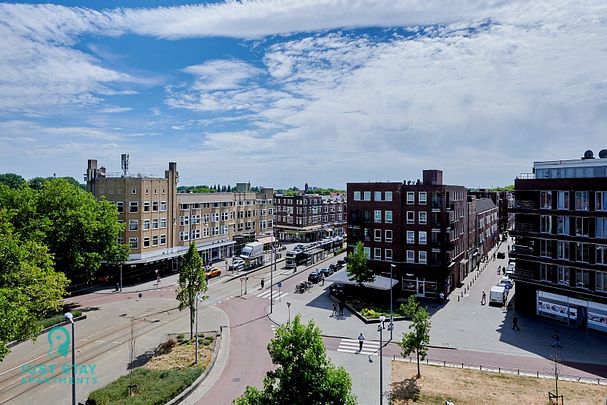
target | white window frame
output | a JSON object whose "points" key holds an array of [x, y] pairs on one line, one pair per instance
{"points": [[410, 217], [422, 237], [366, 196], [133, 224], [377, 194], [410, 256], [422, 257], [388, 235], [377, 235], [388, 254], [423, 214], [357, 196], [388, 196], [377, 216], [410, 197], [423, 198], [133, 242], [377, 253], [410, 237], [388, 216]]}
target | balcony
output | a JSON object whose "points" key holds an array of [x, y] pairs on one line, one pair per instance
{"points": [[523, 250], [525, 227], [437, 203], [524, 204]]}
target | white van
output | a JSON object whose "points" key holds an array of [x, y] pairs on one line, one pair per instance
{"points": [[497, 296]]}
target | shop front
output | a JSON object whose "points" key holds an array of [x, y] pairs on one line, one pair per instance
{"points": [[572, 311]]}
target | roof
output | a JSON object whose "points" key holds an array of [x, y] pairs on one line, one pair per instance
{"points": [[484, 204], [267, 239], [380, 283]]}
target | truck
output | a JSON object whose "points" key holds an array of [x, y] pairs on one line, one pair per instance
{"points": [[252, 254], [497, 296]]}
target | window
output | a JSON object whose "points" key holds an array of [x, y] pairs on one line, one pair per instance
{"points": [[146, 242], [120, 206], [545, 224], [581, 200], [423, 197], [367, 196], [410, 217], [423, 217], [582, 278], [562, 275], [562, 200], [367, 252], [562, 249], [410, 236], [357, 196], [163, 239], [600, 198], [133, 243], [582, 251], [581, 226], [388, 235], [133, 206], [410, 256], [601, 254], [422, 237], [545, 248], [183, 236], [601, 228], [377, 216], [388, 216], [154, 240], [184, 220], [546, 199], [133, 225], [146, 224], [544, 272], [388, 254], [134, 191], [377, 235], [388, 196], [422, 256], [154, 206], [410, 197], [163, 205], [562, 225], [377, 196], [146, 208], [601, 281], [377, 254], [154, 223]]}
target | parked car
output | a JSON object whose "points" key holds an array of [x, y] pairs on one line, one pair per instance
{"points": [[506, 282], [510, 269], [341, 262], [213, 272], [326, 272], [237, 264], [333, 268], [501, 255], [314, 277]]}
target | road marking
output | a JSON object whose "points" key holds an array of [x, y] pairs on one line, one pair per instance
{"points": [[118, 343], [101, 341], [275, 295], [352, 345]]}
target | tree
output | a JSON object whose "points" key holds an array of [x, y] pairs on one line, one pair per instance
{"points": [[357, 266], [12, 180], [29, 287], [304, 374], [418, 339], [191, 283]]}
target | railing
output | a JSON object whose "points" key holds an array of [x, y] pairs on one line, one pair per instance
{"points": [[525, 250], [526, 176], [522, 227], [524, 204]]}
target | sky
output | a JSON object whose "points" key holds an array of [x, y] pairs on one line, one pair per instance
{"points": [[283, 93]]}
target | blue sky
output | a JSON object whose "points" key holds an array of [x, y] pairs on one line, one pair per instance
{"points": [[280, 93]]}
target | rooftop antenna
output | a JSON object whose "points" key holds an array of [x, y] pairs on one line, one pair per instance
{"points": [[124, 164]]}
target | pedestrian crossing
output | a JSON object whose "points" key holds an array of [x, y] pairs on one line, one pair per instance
{"points": [[276, 295], [352, 345]]}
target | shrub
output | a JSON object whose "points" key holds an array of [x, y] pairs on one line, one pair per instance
{"points": [[180, 338], [165, 347], [57, 319]]}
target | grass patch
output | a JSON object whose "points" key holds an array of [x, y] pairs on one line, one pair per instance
{"points": [[154, 387], [373, 311], [57, 319]]}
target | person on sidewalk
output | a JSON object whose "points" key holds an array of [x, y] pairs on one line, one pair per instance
{"points": [[515, 322], [341, 307], [262, 283], [334, 313], [322, 279], [361, 339], [557, 338], [484, 298]]}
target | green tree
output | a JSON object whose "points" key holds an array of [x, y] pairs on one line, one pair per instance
{"points": [[29, 287], [418, 337], [191, 283], [304, 374], [12, 180], [357, 266]]}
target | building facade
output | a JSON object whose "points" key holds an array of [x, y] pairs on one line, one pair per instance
{"points": [[504, 200], [309, 217], [419, 226], [561, 241], [160, 223]]}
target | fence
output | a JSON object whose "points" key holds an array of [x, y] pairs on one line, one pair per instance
{"points": [[495, 369]]}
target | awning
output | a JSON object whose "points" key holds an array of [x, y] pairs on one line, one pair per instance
{"points": [[380, 283], [267, 239]]}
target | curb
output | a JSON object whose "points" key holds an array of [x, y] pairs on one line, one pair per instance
{"points": [[43, 331], [185, 393]]}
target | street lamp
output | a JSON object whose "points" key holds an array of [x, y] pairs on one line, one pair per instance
{"points": [[380, 329], [68, 316], [198, 299], [391, 325]]}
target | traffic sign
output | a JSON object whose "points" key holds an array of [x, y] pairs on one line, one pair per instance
{"points": [[279, 284]]}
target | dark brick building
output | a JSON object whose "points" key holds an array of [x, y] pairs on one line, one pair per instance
{"points": [[504, 200], [561, 241], [420, 226]]}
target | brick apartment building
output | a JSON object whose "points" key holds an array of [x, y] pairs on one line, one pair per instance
{"points": [[561, 241], [309, 217], [160, 222], [504, 200], [420, 226]]}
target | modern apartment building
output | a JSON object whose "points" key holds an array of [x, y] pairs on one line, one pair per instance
{"points": [[160, 223], [419, 226], [561, 241], [309, 217]]}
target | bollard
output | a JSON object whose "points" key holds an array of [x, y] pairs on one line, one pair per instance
{"points": [[481, 368], [444, 363], [458, 298], [462, 365], [518, 372], [499, 369], [538, 374]]}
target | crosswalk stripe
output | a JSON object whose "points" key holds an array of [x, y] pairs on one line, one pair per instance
{"points": [[275, 295], [351, 346]]}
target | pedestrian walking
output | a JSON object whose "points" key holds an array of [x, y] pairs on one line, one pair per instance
{"points": [[556, 336], [334, 309], [484, 298], [262, 283], [341, 307], [322, 279], [361, 339], [515, 322]]}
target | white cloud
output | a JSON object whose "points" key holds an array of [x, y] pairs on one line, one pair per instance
{"points": [[221, 74], [114, 109]]}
